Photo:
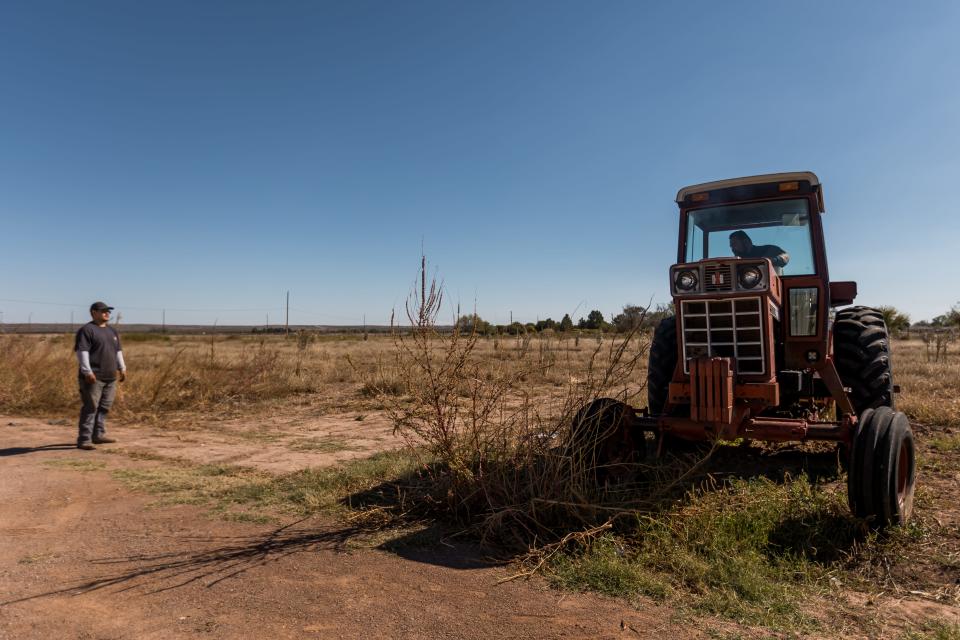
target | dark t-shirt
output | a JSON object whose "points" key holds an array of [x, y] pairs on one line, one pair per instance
{"points": [[103, 343], [778, 256]]}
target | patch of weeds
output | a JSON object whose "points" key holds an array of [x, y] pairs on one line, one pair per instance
{"points": [[938, 630], [246, 516], [751, 551], [224, 487], [326, 444], [77, 465], [189, 484], [256, 435], [311, 490], [141, 455], [605, 568], [383, 387], [946, 443]]}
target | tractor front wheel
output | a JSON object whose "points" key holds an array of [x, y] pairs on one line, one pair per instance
{"points": [[601, 440], [882, 476]]}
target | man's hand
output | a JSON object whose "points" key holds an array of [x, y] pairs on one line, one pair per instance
{"points": [[122, 375], [90, 377]]}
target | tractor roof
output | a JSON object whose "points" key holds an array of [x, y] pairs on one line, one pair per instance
{"points": [[805, 176]]}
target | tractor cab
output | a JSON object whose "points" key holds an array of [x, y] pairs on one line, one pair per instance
{"points": [[758, 237]]}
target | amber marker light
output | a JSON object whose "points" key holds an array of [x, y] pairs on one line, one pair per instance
{"points": [[789, 186], [699, 197]]}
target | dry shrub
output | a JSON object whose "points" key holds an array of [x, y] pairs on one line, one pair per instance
{"points": [[498, 454]]}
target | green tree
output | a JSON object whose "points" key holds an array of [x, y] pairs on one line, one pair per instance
{"points": [[896, 320], [549, 323], [949, 319], [594, 320], [515, 328], [631, 318], [953, 316], [566, 324], [473, 322]]}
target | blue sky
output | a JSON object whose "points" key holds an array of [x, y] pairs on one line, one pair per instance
{"points": [[206, 157]]}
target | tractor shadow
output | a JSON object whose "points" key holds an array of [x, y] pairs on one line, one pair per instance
{"points": [[779, 463]]}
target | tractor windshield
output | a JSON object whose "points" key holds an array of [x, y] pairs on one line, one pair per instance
{"points": [[779, 230]]}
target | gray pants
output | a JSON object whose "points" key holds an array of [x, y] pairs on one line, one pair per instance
{"points": [[97, 399]]}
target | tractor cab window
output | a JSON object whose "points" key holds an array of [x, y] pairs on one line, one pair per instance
{"points": [[778, 230]]}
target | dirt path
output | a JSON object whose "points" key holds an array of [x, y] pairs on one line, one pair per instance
{"points": [[275, 443], [82, 557]]}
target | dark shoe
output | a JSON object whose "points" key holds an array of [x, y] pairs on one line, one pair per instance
{"points": [[104, 440], [86, 446]]}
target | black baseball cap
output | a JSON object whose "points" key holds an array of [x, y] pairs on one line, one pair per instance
{"points": [[100, 306]]}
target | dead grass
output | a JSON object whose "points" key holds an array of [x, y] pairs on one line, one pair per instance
{"points": [[176, 375], [930, 391], [936, 630]]}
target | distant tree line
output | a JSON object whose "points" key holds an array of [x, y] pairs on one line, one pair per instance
{"points": [[632, 317], [899, 322]]}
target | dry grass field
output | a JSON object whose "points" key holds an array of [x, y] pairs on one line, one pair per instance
{"points": [[464, 436]]}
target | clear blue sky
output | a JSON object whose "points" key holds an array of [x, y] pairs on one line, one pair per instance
{"points": [[205, 157]]}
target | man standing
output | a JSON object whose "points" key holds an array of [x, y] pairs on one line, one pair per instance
{"points": [[101, 365]]}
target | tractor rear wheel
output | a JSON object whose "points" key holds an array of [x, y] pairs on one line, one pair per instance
{"points": [[663, 360], [601, 439], [861, 347], [882, 476]]}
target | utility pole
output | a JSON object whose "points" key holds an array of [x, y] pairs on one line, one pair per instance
{"points": [[287, 327], [267, 326], [29, 321], [364, 326], [163, 321], [71, 322]]}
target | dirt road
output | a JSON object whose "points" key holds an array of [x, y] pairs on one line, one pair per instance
{"points": [[83, 557]]}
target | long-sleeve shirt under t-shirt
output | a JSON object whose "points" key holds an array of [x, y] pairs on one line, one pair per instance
{"points": [[102, 348]]}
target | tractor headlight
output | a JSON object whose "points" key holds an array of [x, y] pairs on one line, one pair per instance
{"points": [[686, 281], [750, 277]]}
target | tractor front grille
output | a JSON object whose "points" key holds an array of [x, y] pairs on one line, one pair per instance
{"points": [[725, 329], [717, 277]]}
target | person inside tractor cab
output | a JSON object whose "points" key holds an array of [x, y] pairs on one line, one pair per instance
{"points": [[743, 247]]}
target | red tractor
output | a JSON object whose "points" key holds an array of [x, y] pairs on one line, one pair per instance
{"points": [[759, 350]]}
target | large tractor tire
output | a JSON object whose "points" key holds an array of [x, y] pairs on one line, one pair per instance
{"points": [[601, 440], [663, 360], [882, 476], [861, 348]]}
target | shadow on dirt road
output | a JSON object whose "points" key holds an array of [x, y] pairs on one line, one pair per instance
{"points": [[19, 451]]}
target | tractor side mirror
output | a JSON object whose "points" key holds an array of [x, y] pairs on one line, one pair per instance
{"points": [[842, 293]]}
